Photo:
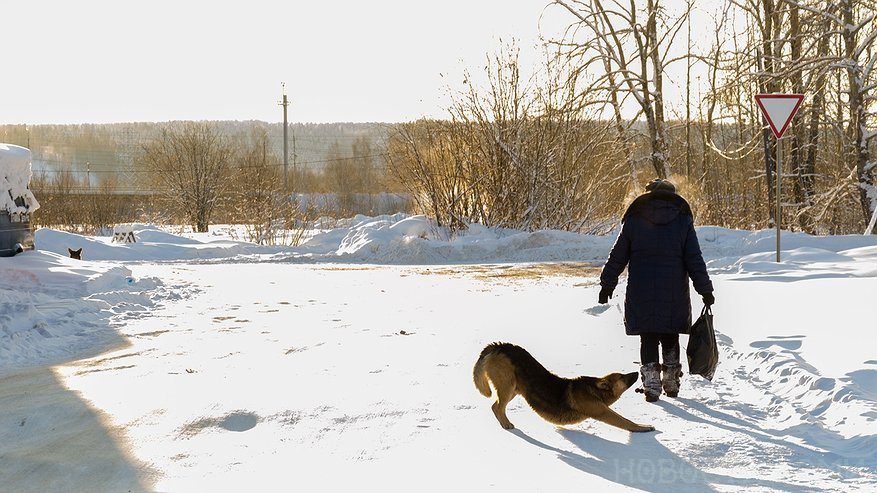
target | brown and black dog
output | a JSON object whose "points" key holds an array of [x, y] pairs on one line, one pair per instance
{"points": [[77, 254], [512, 371]]}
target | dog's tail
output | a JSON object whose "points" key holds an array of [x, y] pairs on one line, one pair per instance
{"points": [[478, 373]]}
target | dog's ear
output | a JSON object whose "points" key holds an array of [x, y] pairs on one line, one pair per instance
{"points": [[70, 251], [604, 384]]}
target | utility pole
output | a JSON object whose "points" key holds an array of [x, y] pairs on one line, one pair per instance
{"points": [[285, 104]]}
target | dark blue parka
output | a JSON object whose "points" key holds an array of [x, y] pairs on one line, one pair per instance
{"points": [[659, 247]]}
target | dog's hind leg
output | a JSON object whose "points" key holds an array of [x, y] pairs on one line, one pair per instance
{"points": [[610, 417]]}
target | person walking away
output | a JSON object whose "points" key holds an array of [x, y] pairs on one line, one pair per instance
{"points": [[659, 248]]}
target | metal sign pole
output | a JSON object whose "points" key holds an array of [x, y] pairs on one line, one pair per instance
{"points": [[778, 110], [779, 210]]}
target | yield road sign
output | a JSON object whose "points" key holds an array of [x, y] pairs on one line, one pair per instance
{"points": [[778, 110]]}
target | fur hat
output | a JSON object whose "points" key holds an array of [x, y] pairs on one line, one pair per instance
{"points": [[660, 185]]}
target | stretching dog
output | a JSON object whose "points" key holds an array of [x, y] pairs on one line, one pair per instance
{"points": [[511, 370]]}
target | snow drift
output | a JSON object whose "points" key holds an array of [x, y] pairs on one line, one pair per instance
{"points": [[401, 239]]}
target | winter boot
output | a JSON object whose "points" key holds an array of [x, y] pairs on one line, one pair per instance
{"points": [[671, 368], [670, 379], [651, 373]]}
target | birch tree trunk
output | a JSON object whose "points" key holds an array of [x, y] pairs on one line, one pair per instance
{"points": [[856, 77]]}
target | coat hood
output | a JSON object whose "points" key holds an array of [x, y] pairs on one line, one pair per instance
{"points": [[658, 207]]}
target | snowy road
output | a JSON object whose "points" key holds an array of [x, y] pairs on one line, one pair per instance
{"points": [[281, 377]]}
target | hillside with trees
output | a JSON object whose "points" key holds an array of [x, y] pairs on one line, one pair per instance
{"points": [[89, 177]]}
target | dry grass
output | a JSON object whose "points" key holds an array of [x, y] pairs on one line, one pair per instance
{"points": [[344, 267], [512, 272], [504, 273]]}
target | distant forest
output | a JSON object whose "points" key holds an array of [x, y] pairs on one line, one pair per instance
{"points": [[95, 152], [89, 177]]}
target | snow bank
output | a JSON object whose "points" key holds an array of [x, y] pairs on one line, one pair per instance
{"points": [[53, 307], [402, 239], [716, 242], [416, 240], [15, 173], [152, 245]]}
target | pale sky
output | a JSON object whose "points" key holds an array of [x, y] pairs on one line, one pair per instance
{"points": [[95, 61]]}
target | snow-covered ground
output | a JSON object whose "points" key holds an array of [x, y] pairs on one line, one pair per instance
{"points": [[197, 363]]}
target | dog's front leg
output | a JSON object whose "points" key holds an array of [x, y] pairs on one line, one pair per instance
{"points": [[610, 417]]}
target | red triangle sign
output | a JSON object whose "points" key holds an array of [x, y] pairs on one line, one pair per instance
{"points": [[778, 110]]}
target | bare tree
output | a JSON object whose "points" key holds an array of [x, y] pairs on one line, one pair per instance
{"points": [[858, 30], [815, 84], [190, 162], [256, 189], [519, 153], [427, 158], [824, 49], [632, 52]]}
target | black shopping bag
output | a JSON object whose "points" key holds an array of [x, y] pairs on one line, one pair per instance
{"points": [[702, 351]]}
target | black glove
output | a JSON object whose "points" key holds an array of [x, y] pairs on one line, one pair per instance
{"points": [[605, 294], [709, 299]]}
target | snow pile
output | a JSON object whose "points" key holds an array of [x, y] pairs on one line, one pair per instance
{"points": [[401, 239], [397, 240], [416, 240], [732, 244], [53, 307], [15, 173], [153, 244]]}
